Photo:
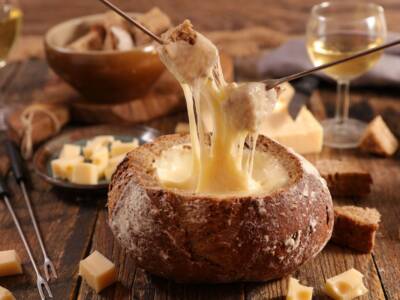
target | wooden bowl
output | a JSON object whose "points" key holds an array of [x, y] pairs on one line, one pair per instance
{"points": [[101, 76]]}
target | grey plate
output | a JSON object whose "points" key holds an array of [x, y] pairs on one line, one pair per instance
{"points": [[51, 150]]}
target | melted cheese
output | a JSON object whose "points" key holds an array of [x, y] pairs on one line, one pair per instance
{"points": [[218, 166]]}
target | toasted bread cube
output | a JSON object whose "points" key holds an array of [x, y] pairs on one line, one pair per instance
{"points": [[112, 166], [10, 263], [296, 291], [98, 271], [378, 139], [118, 147], [100, 158], [346, 286], [70, 151], [85, 173], [64, 167], [6, 294]]}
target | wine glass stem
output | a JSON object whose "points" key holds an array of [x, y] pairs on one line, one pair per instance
{"points": [[342, 101]]}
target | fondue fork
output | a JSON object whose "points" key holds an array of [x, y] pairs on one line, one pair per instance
{"points": [[133, 21], [269, 83]]}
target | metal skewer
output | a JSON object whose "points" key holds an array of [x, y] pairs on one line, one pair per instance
{"points": [[133, 21], [271, 83], [40, 282], [16, 164]]}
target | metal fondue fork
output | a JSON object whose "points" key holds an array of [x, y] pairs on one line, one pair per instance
{"points": [[40, 282], [16, 164], [269, 83]]}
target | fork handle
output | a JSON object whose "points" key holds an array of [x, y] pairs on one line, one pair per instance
{"points": [[16, 160]]}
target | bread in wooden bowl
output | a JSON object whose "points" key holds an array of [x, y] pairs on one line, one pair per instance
{"points": [[190, 237]]}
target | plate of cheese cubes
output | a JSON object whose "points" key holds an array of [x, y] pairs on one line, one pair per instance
{"points": [[87, 158]]}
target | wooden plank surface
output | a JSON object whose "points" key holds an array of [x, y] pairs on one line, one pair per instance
{"points": [[74, 225]]}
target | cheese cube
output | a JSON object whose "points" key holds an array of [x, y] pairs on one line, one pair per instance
{"points": [[6, 294], [85, 173], [346, 286], [100, 159], [118, 147], [10, 263], [70, 151], [98, 271], [112, 166], [296, 291], [64, 167], [95, 143]]}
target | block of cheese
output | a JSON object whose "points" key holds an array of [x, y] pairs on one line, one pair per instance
{"points": [[182, 127], [98, 271], [296, 291], [85, 173], [64, 167], [346, 286], [10, 263], [70, 151], [112, 166], [6, 294], [95, 143], [118, 147], [100, 158], [378, 139], [304, 135]]}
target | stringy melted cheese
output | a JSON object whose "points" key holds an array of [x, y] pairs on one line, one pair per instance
{"points": [[221, 166]]}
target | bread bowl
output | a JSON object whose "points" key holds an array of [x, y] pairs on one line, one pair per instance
{"points": [[192, 237]]}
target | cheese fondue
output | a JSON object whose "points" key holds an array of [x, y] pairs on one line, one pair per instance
{"points": [[223, 164]]}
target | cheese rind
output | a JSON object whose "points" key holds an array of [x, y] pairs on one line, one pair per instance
{"points": [[296, 291], [98, 271], [10, 263], [70, 151], [85, 173], [346, 286], [6, 294]]}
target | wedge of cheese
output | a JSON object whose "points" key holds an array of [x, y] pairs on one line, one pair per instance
{"points": [[304, 135], [112, 166], [64, 167], [70, 151], [100, 158], [296, 291], [6, 294], [10, 263], [118, 147], [85, 173], [346, 286]]}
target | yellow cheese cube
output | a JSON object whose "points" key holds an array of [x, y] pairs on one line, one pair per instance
{"points": [[346, 286], [10, 263], [103, 140], [64, 167], [85, 173], [70, 151], [296, 291], [112, 166], [100, 159], [6, 294], [95, 143], [98, 271], [118, 147]]}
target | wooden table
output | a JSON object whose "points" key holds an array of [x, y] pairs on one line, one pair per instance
{"points": [[74, 224]]}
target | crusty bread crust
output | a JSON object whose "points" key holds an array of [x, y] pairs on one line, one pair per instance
{"points": [[200, 238]]}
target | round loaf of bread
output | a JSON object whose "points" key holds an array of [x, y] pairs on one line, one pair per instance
{"points": [[190, 237]]}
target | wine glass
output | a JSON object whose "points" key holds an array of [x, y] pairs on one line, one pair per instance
{"points": [[334, 31], [10, 22]]}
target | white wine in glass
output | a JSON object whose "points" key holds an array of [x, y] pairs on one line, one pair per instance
{"points": [[335, 31], [10, 22]]}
